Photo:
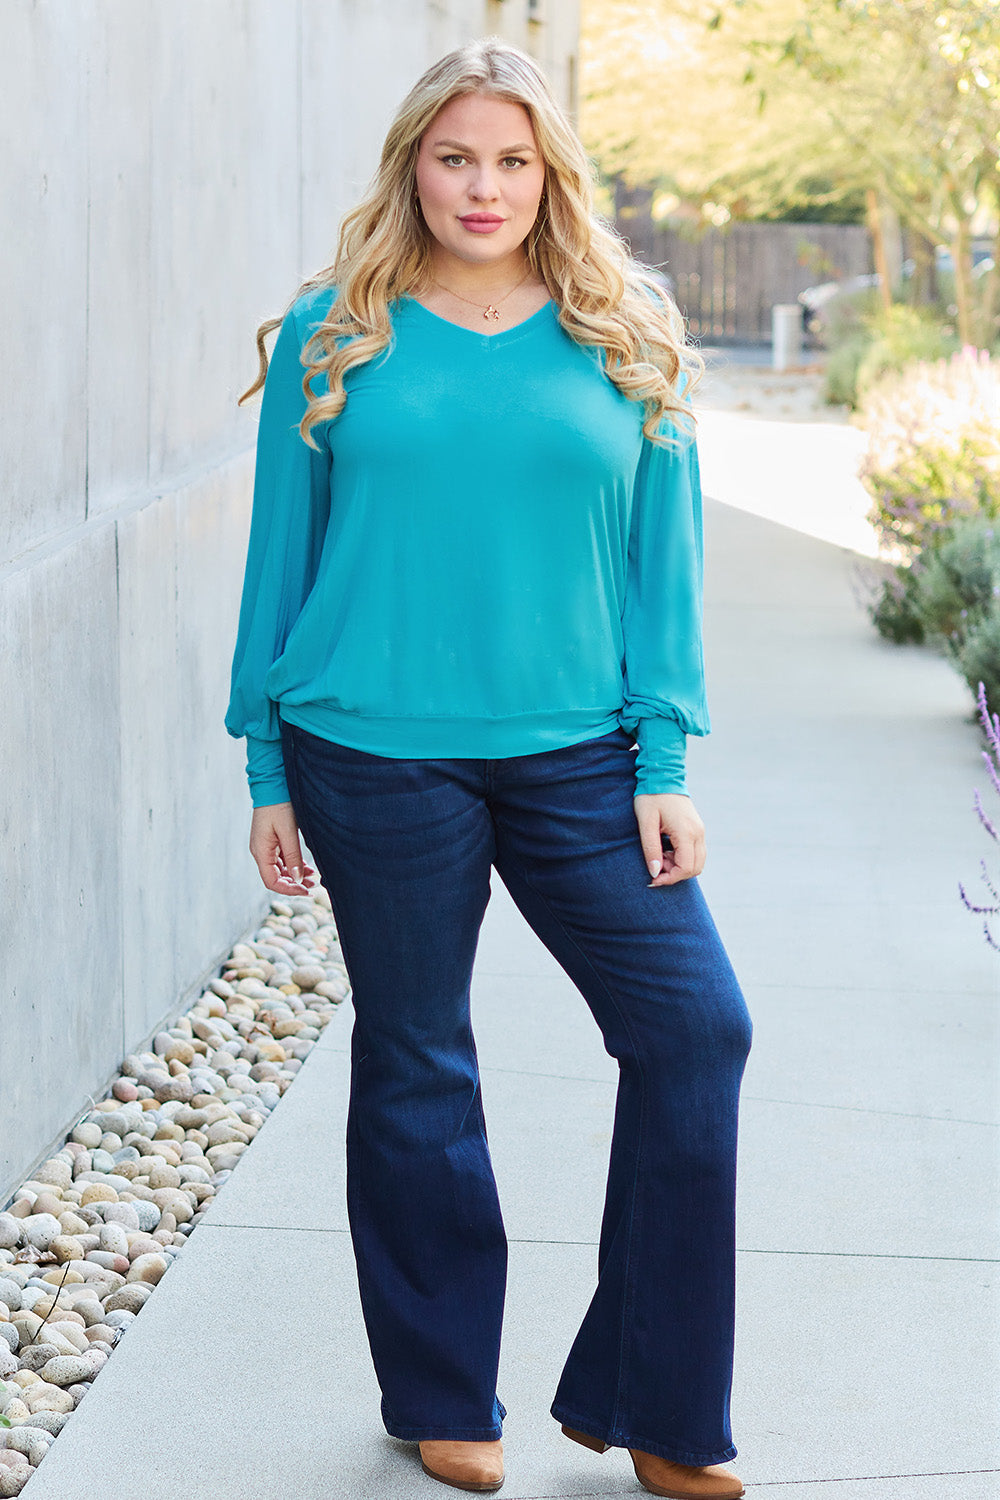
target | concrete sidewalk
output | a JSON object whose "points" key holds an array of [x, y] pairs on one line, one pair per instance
{"points": [[837, 793]]}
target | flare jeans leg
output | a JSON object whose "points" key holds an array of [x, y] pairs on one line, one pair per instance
{"points": [[404, 848]]}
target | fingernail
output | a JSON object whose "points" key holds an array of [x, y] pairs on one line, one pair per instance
{"points": [[297, 873], [654, 866]]}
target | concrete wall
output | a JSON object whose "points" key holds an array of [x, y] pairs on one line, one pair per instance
{"points": [[177, 167]]}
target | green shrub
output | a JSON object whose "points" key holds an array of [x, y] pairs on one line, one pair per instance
{"points": [[959, 581], [978, 655], [933, 451], [867, 340], [895, 612], [899, 336], [840, 375], [844, 327]]}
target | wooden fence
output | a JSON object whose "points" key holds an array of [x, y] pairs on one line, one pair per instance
{"points": [[726, 281]]}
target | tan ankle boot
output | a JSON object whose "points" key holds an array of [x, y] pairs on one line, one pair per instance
{"points": [[677, 1481], [465, 1466], [684, 1482]]}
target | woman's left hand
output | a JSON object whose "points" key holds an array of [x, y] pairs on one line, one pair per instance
{"points": [[673, 814]]}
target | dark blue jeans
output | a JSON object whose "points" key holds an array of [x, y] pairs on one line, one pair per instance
{"points": [[404, 848]]}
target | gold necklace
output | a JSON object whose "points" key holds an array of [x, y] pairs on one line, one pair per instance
{"points": [[492, 311]]}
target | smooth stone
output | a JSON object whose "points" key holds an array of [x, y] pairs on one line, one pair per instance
{"points": [[10, 1293], [10, 1336], [27, 1324], [101, 1333], [51, 1421], [10, 1231], [56, 1171], [49, 1397], [148, 1269], [91, 1310], [164, 1176], [41, 1229], [103, 1258], [103, 1160], [73, 1332], [290, 1028], [226, 1161], [142, 1244], [114, 1238], [121, 1317], [66, 1369], [88, 1135], [12, 1481], [130, 1298], [175, 1201], [37, 1355], [180, 1088], [191, 1172], [9, 1363], [49, 1202], [122, 1213], [125, 1090], [72, 1224], [33, 1442], [307, 976], [66, 1247], [15, 1410], [98, 1192], [147, 1213], [180, 1051], [224, 1131]]}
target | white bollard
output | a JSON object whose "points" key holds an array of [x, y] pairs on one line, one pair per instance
{"points": [[786, 335]]}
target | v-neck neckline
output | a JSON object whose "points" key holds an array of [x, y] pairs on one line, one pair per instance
{"points": [[506, 335]]}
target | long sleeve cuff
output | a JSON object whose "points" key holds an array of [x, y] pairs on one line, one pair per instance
{"points": [[660, 763], [266, 772]]}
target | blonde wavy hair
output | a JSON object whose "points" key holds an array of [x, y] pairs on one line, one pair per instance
{"points": [[605, 298]]}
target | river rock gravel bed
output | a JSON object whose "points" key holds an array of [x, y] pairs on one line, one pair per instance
{"points": [[85, 1241]]}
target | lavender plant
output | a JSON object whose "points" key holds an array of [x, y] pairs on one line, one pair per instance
{"points": [[991, 758]]}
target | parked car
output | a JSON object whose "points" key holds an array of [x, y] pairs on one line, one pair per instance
{"points": [[816, 300]]}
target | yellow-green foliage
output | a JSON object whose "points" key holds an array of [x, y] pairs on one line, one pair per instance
{"points": [[934, 449]]}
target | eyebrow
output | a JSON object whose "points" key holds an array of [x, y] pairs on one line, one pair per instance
{"points": [[507, 151]]}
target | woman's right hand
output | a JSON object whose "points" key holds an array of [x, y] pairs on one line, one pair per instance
{"points": [[277, 852]]}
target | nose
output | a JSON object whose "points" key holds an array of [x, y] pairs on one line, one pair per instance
{"points": [[483, 186]]}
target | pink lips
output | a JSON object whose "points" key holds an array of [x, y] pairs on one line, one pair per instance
{"points": [[481, 223]]}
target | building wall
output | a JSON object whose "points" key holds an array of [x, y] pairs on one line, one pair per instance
{"points": [[176, 169]]}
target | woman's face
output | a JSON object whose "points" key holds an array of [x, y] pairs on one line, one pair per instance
{"points": [[479, 179]]}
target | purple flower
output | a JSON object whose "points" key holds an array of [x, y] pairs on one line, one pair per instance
{"points": [[991, 759]]}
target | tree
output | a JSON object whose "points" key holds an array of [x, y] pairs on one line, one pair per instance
{"points": [[747, 103]]}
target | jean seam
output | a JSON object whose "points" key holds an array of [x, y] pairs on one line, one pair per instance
{"points": [[627, 1297]]}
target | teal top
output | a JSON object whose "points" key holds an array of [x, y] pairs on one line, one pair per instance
{"points": [[484, 557]]}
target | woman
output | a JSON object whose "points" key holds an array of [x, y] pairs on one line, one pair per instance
{"points": [[473, 581]]}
